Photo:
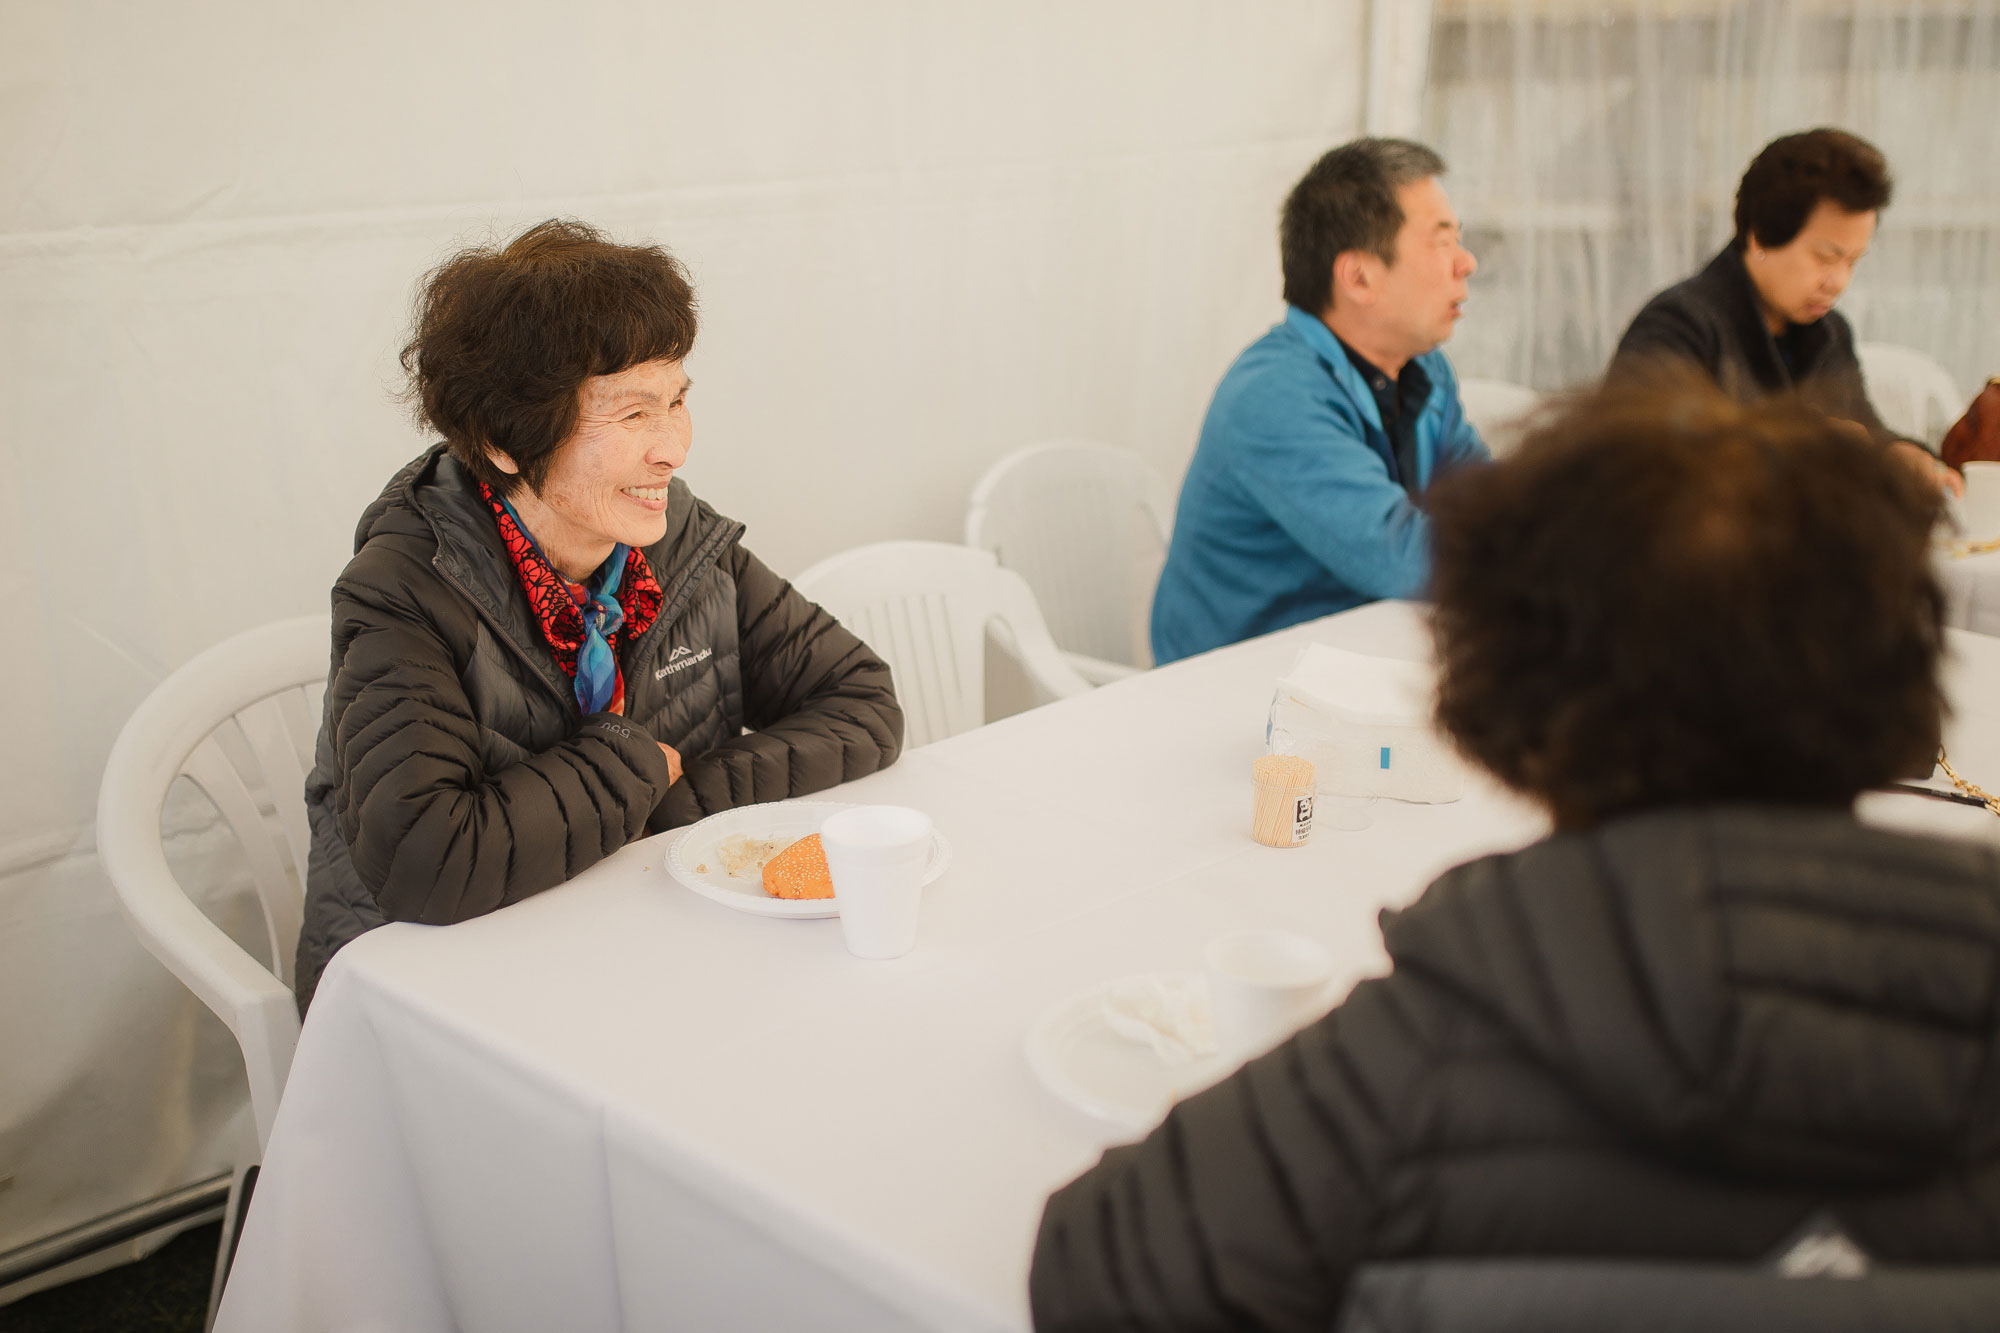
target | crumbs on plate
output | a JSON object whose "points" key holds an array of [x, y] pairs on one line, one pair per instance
{"points": [[744, 856]]}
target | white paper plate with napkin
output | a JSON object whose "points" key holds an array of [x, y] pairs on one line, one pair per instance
{"points": [[1127, 1050]]}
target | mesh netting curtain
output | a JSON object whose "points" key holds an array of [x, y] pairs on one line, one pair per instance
{"points": [[1595, 149]]}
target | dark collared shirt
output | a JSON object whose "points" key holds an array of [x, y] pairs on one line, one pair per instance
{"points": [[1791, 345], [1400, 403]]}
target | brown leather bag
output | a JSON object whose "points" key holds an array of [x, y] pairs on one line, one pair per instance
{"points": [[1976, 437]]}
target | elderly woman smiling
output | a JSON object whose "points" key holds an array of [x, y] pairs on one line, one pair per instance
{"points": [[545, 645]]}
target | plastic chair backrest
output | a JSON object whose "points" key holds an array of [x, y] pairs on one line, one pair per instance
{"points": [[1496, 410], [239, 721], [1911, 392], [925, 608], [1087, 526]]}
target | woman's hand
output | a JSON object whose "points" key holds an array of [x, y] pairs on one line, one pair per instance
{"points": [[673, 762], [1924, 464]]}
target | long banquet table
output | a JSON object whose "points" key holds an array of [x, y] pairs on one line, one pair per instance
{"points": [[1971, 586], [621, 1105]]}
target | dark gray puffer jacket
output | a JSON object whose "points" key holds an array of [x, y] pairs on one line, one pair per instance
{"points": [[1678, 1036], [1712, 320], [454, 773]]}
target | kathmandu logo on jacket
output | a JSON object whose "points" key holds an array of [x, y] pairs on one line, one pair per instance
{"points": [[681, 659]]}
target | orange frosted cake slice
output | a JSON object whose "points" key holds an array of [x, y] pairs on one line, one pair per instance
{"points": [[799, 871]]}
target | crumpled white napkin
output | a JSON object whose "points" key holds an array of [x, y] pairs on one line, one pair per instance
{"points": [[1361, 689], [1172, 1015]]}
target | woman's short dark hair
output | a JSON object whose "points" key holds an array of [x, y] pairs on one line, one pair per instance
{"points": [[505, 337], [1347, 201], [1786, 181], [1669, 598]]}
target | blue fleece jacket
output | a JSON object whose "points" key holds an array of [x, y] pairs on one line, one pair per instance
{"points": [[1291, 508]]}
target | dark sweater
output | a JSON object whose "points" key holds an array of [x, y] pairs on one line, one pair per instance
{"points": [[1678, 1036], [1713, 321]]}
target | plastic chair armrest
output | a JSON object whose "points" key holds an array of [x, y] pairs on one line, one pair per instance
{"points": [[1098, 671]]}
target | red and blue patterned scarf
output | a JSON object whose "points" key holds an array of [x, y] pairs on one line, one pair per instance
{"points": [[583, 624]]}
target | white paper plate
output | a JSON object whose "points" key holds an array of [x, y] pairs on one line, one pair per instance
{"points": [[696, 847], [1077, 1056]]}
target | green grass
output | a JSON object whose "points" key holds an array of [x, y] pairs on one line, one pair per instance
{"points": [[166, 1292]]}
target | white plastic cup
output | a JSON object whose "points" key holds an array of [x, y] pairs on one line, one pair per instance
{"points": [[1263, 986], [1346, 812], [876, 855]]}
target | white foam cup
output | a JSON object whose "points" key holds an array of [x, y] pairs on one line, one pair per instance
{"points": [[1264, 985], [1980, 509], [876, 856]]}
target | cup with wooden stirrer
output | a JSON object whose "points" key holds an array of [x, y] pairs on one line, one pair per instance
{"points": [[1282, 815]]}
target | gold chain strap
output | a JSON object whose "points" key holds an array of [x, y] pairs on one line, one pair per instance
{"points": [[1976, 792]]}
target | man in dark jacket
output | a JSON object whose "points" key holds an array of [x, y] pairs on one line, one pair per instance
{"points": [[1759, 320], [1711, 1006], [545, 645]]}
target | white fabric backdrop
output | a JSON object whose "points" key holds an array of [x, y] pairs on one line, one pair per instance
{"points": [[922, 234], [1595, 149]]}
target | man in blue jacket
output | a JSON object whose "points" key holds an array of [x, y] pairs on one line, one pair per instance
{"points": [[1305, 495]]}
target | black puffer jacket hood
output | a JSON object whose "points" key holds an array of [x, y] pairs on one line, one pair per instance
{"points": [[1782, 994]]}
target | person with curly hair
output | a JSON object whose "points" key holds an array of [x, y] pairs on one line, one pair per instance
{"points": [[1710, 1006], [1759, 319], [545, 646]]}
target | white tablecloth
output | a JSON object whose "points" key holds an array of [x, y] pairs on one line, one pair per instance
{"points": [[623, 1106]]}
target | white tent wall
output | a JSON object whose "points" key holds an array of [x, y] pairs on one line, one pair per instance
{"points": [[922, 235]]}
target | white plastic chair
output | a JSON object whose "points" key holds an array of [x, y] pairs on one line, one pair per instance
{"points": [[925, 607], [1912, 393], [1497, 410], [239, 721], [1087, 526]]}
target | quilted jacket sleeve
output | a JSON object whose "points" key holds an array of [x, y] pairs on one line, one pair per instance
{"points": [[433, 833], [818, 703], [1840, 390], [1250, 1206], [1666, 331]]}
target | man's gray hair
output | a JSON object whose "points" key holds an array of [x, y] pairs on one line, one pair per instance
{"points": [[1347, 202]]}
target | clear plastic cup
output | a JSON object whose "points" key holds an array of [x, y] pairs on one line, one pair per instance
{"points": [[1345, 812]]}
